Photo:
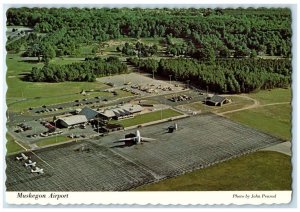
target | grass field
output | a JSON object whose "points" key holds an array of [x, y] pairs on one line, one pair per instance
{"points": [[39, 101], [257, 171], [66, 60], [148, 117], [197, 106], [272, 96], [52, 140], [237, 102], [31, 94], [178, 40], [275, 119], [11, 145], [272, 119]]}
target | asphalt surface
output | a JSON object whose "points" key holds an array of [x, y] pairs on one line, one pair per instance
{"points": [[104, 164]]}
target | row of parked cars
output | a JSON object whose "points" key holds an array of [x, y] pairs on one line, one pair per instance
{"points": [[47, 110], [46, 134], [23, 127], [180, 98]]}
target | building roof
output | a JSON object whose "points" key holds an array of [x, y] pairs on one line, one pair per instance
{"points": [[89, 113], [108, 113], [217, 99], [132, 108], [72, 120], [123, 110]]}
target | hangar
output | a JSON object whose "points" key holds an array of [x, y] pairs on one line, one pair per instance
{"points": [[216, 100]]}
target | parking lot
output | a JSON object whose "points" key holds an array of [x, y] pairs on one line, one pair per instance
{"points": [[103, 164], [142, 84], [84, 101], [40, 131]]}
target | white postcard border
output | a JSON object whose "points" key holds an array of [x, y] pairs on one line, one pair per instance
{"points": [[164, 198], [153, 198]]}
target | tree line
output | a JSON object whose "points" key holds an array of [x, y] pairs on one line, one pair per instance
{"points": [[139, 49], [224, 76], [79, 71], [226, 32]]}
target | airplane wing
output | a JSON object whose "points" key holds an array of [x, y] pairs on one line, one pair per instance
{"points": [[126, 139], [147, 139]]}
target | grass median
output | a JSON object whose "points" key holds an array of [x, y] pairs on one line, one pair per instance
{"points": [[11, 145], [147, 117], [52, 140]]}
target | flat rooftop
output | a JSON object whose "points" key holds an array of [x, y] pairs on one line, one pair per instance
{"points": [[105, 165]]}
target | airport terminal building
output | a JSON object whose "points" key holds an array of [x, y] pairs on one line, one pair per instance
{"points": [[87, 114], [121, 112]]}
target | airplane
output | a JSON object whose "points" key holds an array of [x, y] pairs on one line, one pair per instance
{"points": [[37, 170], [135, 138], [23, 156], [30, 164]]}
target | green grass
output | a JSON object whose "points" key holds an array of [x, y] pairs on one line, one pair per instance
{"points": [[178, 40], [197, 106], [275, 119], [152, 41], [66, 60], [122, 93], [85, 50], [11, 145], [52, 140], [39, 101], [257, 171], [274, 95], [237, 103], [39, 93], [148, 117]]}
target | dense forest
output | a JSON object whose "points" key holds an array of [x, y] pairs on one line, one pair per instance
{"points": [[225, 76], [84, 71], [223, 31], [219, 49]]}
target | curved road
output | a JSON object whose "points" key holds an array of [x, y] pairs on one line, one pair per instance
{"points": [[284, 147], [255, 104]]}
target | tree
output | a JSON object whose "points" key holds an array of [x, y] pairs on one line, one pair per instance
{"points": [[48, 52], [224, 52]]}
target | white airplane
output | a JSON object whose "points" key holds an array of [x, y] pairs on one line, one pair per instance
{"points": [[37, 170], [23, 157], [136, 138], [30, 164]]}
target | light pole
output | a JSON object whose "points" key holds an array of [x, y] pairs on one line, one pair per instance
{"points": [[98, 126], [161, 112], [55, 133], [206, 94]]}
